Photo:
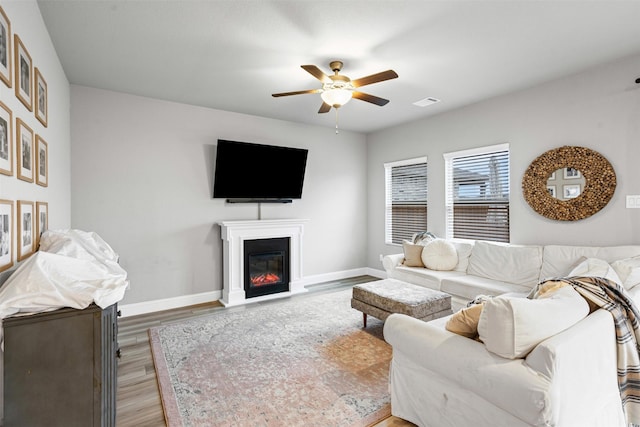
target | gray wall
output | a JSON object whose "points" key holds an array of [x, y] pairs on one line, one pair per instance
{"points": [[142, 179], [598, 109]]}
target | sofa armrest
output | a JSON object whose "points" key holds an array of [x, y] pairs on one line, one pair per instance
{"points": [[389, 262], [427, 347], [581, 363]]}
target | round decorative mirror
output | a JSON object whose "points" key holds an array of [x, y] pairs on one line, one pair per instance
{"points": [[566, 183], [569, 183]]}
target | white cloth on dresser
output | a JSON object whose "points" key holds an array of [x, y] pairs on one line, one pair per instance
{"points": [[72, 268]]}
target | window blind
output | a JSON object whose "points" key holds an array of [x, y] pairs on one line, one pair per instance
{"points": [[405, 199], [477, 193]]}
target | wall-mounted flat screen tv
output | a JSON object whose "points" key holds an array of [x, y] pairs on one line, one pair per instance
{"points": [[249, 172]]}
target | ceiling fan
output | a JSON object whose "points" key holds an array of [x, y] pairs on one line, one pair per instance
{"points": [[338, 89]]}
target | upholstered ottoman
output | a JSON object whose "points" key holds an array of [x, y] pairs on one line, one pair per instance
{"points": [[384, 297]]}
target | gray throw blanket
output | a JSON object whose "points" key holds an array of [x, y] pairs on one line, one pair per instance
{"points": [[607, 294]]}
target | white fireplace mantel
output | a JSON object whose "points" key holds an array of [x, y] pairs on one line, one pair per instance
{"points": [[234, 233]]}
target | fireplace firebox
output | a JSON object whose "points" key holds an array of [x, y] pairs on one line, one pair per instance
{"points": [[266, 266]]}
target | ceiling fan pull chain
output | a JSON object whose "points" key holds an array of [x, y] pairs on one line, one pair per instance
{"points": [[336, 120]]}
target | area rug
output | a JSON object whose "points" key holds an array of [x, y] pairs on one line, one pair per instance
{"points": [[303, 361]]}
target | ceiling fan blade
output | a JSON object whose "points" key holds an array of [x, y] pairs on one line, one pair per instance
{"points": [[299, 92], [369, 98], [374, 78], [324, 108], [317, 73]]}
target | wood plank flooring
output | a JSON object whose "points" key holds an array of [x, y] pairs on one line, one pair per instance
{"points": [[138, 397]]}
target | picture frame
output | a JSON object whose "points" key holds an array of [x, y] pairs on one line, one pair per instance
{"points": [[6, 140], [24, 151], [552, 190], [6, 234], [5, 48], [42, 162], [42, 221], [572, 173], [41, 98], [552, 177], [23, 73], [25, 235], [571, 191]]}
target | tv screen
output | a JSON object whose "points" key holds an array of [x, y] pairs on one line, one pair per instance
{"points": [[248, 172]]}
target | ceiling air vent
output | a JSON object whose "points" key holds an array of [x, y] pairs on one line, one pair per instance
{"points": [[426, 101]]}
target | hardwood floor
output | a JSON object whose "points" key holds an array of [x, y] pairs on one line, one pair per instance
{"points": [[138, 397]]}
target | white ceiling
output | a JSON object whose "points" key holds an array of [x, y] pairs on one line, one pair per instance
{"points": [[233, 54]]}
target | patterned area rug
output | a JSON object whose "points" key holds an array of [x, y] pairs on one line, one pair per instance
{"points": [[299, 362]]}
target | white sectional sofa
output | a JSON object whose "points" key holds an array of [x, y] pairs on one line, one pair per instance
{"points": [[486, 268], [569, 379]]}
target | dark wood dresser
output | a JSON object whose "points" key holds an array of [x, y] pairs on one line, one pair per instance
{"points": [[60, 368]]}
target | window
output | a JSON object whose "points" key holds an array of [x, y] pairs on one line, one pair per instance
{"points": [[406, 199], [477, 193]]}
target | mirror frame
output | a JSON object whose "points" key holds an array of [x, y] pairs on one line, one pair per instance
{"points": [[600, 183]]}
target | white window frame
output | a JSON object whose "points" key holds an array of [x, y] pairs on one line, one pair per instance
{"points": [[449, 182], [388, 220]]}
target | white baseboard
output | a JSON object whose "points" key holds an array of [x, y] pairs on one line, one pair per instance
{"points": [[168, 303], [186, 300], [380, 274], [338, 275]]}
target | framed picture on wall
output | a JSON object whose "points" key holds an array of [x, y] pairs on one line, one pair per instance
{"points": [[571, 191], [42, 220], [42, 98], [24, 73], [24, 152], [25, 229], [42, 162], [552, 190], [571, 173], [6, 234], [5, 48], [6, 140]]}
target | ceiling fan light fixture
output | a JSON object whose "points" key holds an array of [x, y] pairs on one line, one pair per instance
{"points": [[338, 89], [336, 97]]}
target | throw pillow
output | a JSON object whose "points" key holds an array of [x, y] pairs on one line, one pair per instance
{"points": [[464, 252], [412, 254], [634, 293], [628, 270], [422, 238], [594, 267], [440, 254], [511, 327], [546, 289], [465, 321]]}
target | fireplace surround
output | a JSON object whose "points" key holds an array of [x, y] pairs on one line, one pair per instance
{"points": [[236, 235]]}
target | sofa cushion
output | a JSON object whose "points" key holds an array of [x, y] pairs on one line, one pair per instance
{"points": [[468, 287], [558, 260], [440, 254], [422, 276], [516, 264], [628, 271], [412, 254], [512, 327]]}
